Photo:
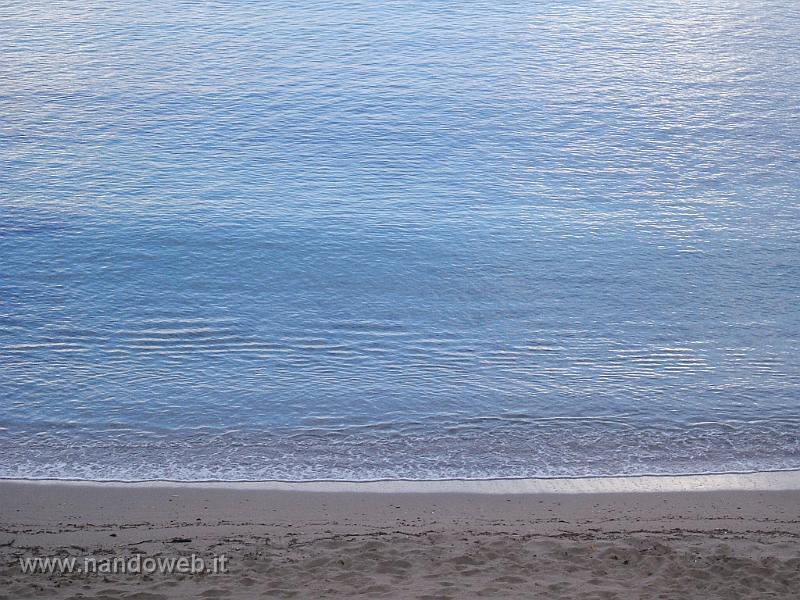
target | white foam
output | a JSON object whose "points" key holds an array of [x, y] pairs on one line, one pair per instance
{"points": [[763, 481]]}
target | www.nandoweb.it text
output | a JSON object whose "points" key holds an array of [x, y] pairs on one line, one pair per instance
{"points": [[136, 564]]}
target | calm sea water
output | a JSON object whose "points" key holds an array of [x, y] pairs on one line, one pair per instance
{"points": [[354, 240]]}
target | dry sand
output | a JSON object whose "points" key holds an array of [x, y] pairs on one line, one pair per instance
{"points": [[398, 543]]}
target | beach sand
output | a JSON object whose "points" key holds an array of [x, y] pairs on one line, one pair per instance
{"points": [[410, 541]]}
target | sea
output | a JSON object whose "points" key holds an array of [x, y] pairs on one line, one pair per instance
{"points": [[398, 239]]}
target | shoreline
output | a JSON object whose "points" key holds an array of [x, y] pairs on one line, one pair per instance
{"points": [[760, 480]]}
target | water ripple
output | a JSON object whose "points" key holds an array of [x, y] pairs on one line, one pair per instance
{"points": [[398, 239]]}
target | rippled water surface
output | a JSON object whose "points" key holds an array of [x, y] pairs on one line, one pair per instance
{"points": [[256, 240]]}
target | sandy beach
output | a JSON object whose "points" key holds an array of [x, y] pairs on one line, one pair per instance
{"points": [[404, 540]]}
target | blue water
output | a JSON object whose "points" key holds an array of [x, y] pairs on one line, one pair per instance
{"points": [[356, 240]]}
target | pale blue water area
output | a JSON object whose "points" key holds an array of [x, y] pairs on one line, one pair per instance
{"points": [[357, 240]]}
